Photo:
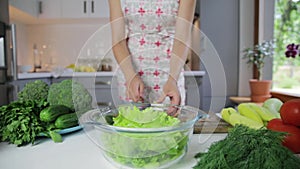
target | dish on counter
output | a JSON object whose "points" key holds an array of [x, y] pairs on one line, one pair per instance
{"points": [[25, 68], [65, 131], [70, 130]]}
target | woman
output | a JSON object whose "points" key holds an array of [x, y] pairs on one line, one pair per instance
{"points": [[150, 40]]}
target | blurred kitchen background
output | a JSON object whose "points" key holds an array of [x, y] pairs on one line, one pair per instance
{"points": [[49, 35]]}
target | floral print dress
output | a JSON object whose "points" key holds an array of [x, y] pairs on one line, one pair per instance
{"points": [[150, 27]]}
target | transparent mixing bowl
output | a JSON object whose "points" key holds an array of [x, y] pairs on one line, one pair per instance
{"points": [[141, 147]]}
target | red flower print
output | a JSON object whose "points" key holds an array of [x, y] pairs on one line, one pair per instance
{"points": [[142, 42], [143, 27], [141, 11], [159, 12], [158, 28], [157, 43], [156, 73], [168, 53], [156, 59], [126, 10], [141, 58], [141, 73], [156, 87]]}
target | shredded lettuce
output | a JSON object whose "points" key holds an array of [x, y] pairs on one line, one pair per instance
{"points": [[132, 117], [145, 150]]}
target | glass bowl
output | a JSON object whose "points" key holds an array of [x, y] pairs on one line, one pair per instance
{"points": [[141, 147]]}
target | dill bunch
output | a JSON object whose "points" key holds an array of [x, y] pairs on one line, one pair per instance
{"points": [[246, 148]]}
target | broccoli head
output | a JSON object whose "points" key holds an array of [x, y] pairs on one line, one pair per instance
{"points": [[36, 90], [71, 94]]}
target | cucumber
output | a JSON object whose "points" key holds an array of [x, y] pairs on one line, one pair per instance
{"points": [[66, 121], [50, 113]]}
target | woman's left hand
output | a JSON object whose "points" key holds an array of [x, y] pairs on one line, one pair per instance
{"points": [[170, 90]]}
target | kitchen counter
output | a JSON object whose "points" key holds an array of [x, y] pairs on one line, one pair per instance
{"points": [[85, 74], [77, 151]]}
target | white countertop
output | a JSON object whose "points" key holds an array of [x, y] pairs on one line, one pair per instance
{"points": [[77, 151], [85, 74]]}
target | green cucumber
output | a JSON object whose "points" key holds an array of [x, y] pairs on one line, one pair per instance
{"points": [[50, 113], [66, 121]]}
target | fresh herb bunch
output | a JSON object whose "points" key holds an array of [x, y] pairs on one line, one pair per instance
{"points": [[20, 123], [36, 90], [246, 148]]}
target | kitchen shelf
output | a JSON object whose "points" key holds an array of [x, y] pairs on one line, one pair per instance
{"points": [[86, 74]]}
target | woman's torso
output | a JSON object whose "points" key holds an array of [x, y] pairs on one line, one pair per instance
{"points": [[150, 27]]}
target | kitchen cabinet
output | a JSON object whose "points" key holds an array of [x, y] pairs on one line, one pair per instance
{"points": [[104, 91], [193, 86], [63, 9], [29, 6], [49, 9], [85, 9]]}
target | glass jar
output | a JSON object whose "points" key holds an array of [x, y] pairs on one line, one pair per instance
{"points": [[106, 64]]}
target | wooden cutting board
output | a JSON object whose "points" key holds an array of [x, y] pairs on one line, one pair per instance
{"points": [[212, 124]]}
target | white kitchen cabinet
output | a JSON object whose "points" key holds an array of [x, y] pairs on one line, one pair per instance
{"points": [[49, 9], [28, 6], [101, 9], [85, 9], [193, 86]]}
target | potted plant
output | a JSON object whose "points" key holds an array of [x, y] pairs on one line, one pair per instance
{"points": [[260, 89]]}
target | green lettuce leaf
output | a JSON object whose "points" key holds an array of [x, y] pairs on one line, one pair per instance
{"points": [[132, 117]]}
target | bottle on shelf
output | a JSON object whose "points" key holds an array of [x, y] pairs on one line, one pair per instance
{"points": [[37, 59]]}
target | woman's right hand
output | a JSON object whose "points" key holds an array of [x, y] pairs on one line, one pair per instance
{"points": [[135, 89]]}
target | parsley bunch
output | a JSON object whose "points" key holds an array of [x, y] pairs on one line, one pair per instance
{"points": [[20, 123]]}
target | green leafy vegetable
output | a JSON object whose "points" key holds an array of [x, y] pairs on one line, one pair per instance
{"points": [[36, 90], [56, 137], [145, 149], [20, 123], [246, 148], [71, 94], [148, 118]]}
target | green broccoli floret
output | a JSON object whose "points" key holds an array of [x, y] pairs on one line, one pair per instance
{"points": [[36, 90], [71, 94]]}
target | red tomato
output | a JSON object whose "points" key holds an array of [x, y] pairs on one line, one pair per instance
{"points": [[290, 112], [292, 139]]}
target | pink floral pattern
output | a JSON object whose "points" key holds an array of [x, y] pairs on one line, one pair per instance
{"points": [[150, 26]]}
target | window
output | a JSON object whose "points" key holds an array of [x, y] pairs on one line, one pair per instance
{"points": [[286, 71]]}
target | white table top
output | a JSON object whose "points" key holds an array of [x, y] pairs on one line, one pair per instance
{"points": [[77, 151]]}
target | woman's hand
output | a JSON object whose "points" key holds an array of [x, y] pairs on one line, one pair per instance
{"points": [[170, 90], [135, 89]]}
